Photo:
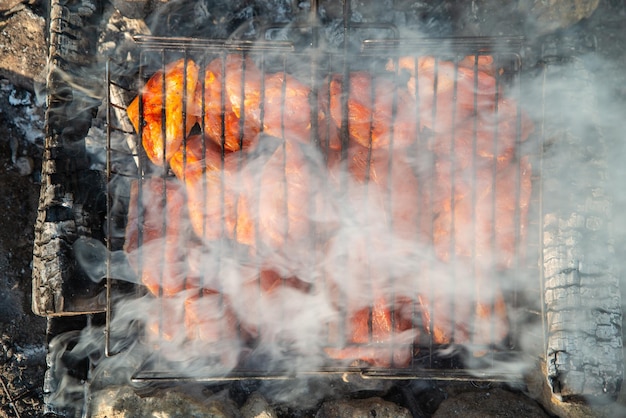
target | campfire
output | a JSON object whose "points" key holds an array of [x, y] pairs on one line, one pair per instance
{"points": [[324, 196]]}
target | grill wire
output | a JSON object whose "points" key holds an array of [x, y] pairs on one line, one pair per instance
{"points": [[127, 163]]}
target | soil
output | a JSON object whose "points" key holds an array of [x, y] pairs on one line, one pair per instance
{"points": [[23, 334]]}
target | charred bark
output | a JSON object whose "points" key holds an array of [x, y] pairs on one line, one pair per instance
{"points": [[71, 200], [580, 270]]}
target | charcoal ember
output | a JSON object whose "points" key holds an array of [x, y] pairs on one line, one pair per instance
{"points": [[134, 9], [371, 407], [552, 15], [256, 406], [495, 402], [119, 402]]}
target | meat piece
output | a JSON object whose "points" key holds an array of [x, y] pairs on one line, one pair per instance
{"points": [[156, 234], [392, 190], [327, 129], [227, 108], [287, 108], [284, 185], [479, 226], [162, 320], [286, 111], [491, 137], [217, 205], [209, 318], [446, 93], [378, 335], [261, 295], [483, 216], [484, 63], [389, 113], [162, 138]]}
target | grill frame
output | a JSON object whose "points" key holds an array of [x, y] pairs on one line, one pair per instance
{"points": [[446, 369]]}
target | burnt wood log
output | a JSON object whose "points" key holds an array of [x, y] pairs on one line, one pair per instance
{"points": [[71, 199], [582, 297]]}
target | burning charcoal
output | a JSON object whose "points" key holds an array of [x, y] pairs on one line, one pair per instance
{"points": [[371, 407], [379, 112], [256, 406], [162, 138]]}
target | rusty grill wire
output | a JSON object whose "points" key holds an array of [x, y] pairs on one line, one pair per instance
{"points": [[128, 163]]}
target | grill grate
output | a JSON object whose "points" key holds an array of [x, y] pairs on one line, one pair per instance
{"points": [[468, 186]]}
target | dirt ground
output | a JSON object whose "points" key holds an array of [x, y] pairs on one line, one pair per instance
{"points": [[22, 334]]}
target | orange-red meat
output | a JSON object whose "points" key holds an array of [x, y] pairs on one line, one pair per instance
{"points": [[374, 117], [209, 317], [217, 207], [283, 186], [276, 103], [156, 234], [479, 226], [161, 137], [227, 108], [491, 137], [446, 94], [376, 335]]}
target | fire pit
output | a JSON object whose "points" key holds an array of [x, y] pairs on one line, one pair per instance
{"points": [[324, 196]]}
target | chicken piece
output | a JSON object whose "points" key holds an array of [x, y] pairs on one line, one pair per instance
{"points": [[260, 297], [217, 205], [388, 115], [227, 108], [392, 189], [483, 216], [156, 233], [479, 226], [162, 322], [446, 94], [491, 137], [286, 111], [284, 184], [327, 129], [287, 108], [162, 138], [484, 63], [377, 335], [209, 318]]}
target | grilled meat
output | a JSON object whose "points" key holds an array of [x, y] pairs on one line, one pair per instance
{"points": [[492, 135], [156, 234], [278, 104], [478, 223], [223, 117], [379, 112], [283, 186], [378, 335], [217, 207], [446, 94], [164, 125]]}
